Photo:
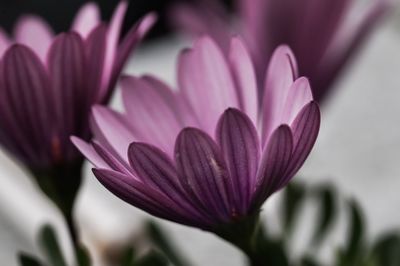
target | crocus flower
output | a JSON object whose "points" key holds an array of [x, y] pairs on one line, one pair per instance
{"points": [[324, 35], [49, 83], [205, 155]]}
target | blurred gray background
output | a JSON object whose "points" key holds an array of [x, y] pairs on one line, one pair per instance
{"points": [[358, 150]]}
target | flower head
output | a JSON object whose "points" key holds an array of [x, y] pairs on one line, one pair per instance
{"points": [[324, 35], [49, 83], [206, 155]]}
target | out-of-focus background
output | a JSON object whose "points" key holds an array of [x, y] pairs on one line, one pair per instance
{"points": [[358, 150]]}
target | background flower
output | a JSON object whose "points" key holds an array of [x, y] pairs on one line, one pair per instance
{"points": [[48, 84], [324, 35]]}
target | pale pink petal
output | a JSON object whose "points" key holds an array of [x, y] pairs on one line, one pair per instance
{"points": [[111, 129], [298, 96], [206, 82], [245, 78], [281, 73], [4, 42], [87, 18], [35, 33], [89, 152]]}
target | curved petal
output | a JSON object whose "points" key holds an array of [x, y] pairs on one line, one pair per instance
{"points": [[87, 18], [298, 96], [113, 35], [202, 172], [66, 65], [112, 130], [239, 142], [35, 33], [206, 82], [5, 42], [305, 130], [25, 103], [245, 78], [145, 105], [138, 194], [281, 73], [89, 152], [274, 162]]}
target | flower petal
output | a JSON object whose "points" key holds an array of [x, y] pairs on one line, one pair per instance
{"points": [[26, 110], [138, 194], [281, 73], [5, 42], [206, 82], [274, 162], [89, 152], [202, 172], [112, 130], [245, 78], [305, 130], [145, 105], [66, 64], [298, 96], [35, 33], [129, 43], [239, 142], [87, 18]]}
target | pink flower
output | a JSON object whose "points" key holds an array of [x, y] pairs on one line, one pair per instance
{"points": [[206, 155], [49, 83]]}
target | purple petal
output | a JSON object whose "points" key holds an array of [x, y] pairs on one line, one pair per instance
{"points": [[113, 161], [245, 78], [202, 172], [89, 152], [206, 82], [240, 147], [282, 71], [156, 169], [95, 51], [145, 103], [113, 35], [35, 33], [4, 42], [298, 96], [66, 64], [138, 194], [26, 112], [129, 43], [87, 18], [274, 162], [305, 130], [112, 130]]}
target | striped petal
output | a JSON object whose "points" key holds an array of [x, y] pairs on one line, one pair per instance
{"points": [[239, 142], [202, 172], [274, 162]]}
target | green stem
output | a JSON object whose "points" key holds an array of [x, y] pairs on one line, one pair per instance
{"points": [[61, 184]]}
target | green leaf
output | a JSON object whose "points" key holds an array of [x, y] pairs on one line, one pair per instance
{"points": [[308, 261], [293, 198], [161, 241], [128, 258], [387, 250], [153, 258], [28, 260], [49, 243], [83, 256], [357, 228], [327, 213]]}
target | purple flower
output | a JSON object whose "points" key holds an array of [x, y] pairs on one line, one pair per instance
{"points": [[205, 155], [324, 35], [49, 83]]}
